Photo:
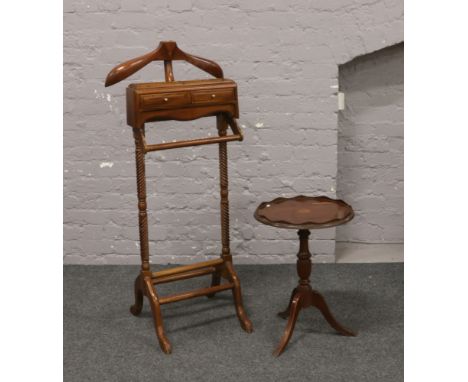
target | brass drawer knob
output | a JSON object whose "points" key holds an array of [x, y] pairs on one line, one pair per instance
{"points": [[213, 96], [166, 99]]}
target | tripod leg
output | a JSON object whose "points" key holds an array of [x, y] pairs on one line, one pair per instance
{"points": [[319, 302], [157, 318], [295, 307], [285, 314]]}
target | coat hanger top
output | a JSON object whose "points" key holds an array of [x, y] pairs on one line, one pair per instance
{"points": [[166, 51]]}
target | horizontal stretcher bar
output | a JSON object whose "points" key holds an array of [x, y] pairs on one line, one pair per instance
{"points": [[195, 293], [186, 268], [193, 142], [184, 275]]}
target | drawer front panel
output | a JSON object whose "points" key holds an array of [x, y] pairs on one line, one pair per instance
{"points": [[164, 100], [213, 96]]}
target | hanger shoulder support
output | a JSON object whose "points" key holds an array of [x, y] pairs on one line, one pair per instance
{"points": [[127, 68], [166, 51], [206, 65]]}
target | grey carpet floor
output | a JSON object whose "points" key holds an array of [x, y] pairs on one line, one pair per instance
{"points": [[104, 342]]}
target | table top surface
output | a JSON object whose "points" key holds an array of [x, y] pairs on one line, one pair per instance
{"points": [[304, 212]]}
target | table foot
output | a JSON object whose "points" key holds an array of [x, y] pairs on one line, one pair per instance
{"points": [[293, 311], [303, 297], [318, 301]]}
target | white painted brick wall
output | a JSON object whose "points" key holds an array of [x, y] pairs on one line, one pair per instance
{"points": [[284, 57]]}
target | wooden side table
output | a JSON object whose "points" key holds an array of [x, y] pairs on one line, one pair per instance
{"points": [[181, 101], [304, 213]]}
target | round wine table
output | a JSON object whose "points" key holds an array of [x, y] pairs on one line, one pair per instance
{"points": [[305, 213]]}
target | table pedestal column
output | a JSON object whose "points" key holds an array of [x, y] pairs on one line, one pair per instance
{"points": [[304, 296]]}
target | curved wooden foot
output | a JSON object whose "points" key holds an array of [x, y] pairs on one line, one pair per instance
{"points": [[245, 323], [295, 306], [136, 308], [157, 318], [319, 302], [285, 314]]}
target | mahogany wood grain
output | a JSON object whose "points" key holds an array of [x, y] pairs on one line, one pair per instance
{"points": [[136, 308], [166, 51], [192, 142], [302, 213], [185, 268], [184, 276], [246, 324], [304, 296], [181, 101], [195, 293], [168, 73], [157, 317], [312, 212]]}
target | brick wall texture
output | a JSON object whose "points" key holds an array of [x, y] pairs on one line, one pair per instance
{"points": [[284, 56], [370, 146]]}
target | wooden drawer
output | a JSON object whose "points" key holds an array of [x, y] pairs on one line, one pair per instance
{"points": [[213, 96], [164, 100], [180, 100]]}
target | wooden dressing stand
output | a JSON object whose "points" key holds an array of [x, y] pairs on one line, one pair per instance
{"points": [[181, 101]]}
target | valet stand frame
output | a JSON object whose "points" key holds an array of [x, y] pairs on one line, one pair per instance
{"points": [[221, 268]]}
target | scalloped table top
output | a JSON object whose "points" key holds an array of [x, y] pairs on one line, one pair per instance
{"points": [[303, 212]]}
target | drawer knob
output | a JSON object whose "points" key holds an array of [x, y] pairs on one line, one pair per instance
{"points": [[213, 96], [166, 99]]}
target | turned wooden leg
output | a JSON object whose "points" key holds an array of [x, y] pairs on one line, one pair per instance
{"points": [[229, 272], [138, 135], [285, 314], [294, 311], [146, 283], [136, 308], [157, 318], [319, 302]]}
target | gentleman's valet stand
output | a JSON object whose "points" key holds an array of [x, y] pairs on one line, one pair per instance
{"points": [[181, 101]]}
